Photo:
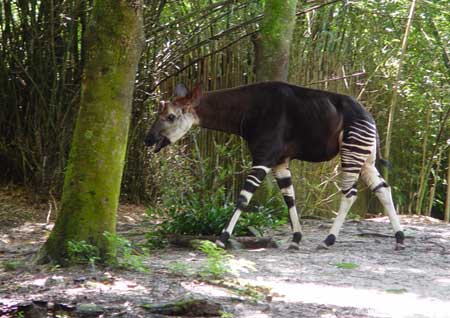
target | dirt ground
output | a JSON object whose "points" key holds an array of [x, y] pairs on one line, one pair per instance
{"points": [[361, 276]]}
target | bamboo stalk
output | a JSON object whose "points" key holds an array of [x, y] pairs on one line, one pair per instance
{"points": [[393, 105], [447, 200], [433, 185], [424, 165]]}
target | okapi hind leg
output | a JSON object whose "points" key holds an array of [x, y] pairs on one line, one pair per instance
{"points": [[358, 145], [284, 181], [253, 181], [382, 190]]}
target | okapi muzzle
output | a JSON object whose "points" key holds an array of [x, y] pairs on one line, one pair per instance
{"points": [[155, 137]]}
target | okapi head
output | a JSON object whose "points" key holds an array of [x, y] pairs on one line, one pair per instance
{"points": [[175, 117]]}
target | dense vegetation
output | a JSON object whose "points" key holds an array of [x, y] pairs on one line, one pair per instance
{"points": [[353, 47]]}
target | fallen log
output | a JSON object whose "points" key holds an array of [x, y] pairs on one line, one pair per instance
{"points": [[246, 242], [186, 306]]}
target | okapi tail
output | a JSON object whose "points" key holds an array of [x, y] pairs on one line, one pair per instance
{"points": [[380, 159]]}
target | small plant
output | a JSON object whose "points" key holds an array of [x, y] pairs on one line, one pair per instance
{"points": [[181, 269], [217, 263], [224, 314], [12, 265], [255, 293], [252, 292], [81, 252], [125, 255], [347, 265], [20, 314]]}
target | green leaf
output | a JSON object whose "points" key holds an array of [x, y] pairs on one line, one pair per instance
{"points": [[396, 291], [347, 265]]}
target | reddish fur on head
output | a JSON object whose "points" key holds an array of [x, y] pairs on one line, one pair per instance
{"points": [[189, 101]]}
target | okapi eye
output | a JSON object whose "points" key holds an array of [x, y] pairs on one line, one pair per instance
{"points": [[171, 117]]}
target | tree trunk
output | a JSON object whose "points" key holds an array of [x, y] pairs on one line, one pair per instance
{"points": [[93, 175], [272, 45]]}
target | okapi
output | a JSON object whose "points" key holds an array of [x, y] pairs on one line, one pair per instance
{"points": [[281, 122]]}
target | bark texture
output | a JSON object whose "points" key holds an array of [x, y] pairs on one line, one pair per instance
{"points": [[93, 175], [272, 45]]}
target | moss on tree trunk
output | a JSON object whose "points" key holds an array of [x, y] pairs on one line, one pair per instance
{"points": [[93, 175], [274, 40], [272, 46]]}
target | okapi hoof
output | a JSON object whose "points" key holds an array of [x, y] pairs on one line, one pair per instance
{"points": [[329, 241], [222, 240], [297, 237], [400, 241]]}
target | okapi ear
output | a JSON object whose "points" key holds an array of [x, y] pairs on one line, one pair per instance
{"points": [[181, 90], [197, 92], [161, 106]]}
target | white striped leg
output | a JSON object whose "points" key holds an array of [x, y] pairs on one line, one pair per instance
{"points": [[376, 183], [345, 205], [284, 181], [252, 183], [349, 195], [357, 146]]}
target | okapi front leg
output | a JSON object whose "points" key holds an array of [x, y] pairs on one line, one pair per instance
{"points": [[284, 181], [347, 200], [252, 183]]}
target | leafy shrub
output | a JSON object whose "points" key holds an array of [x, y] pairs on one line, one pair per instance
{"points": [[81, 252], [217, 263], [125, 255], [12, 265]]}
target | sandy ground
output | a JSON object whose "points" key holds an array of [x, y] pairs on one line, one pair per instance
{"points": [[376, 280]]}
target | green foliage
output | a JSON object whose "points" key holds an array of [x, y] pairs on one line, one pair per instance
{"points": [[251, 291], [20, 314], [125, 255], [217, 264], [347, 265], [12, 265], [122, 255], [181, 269], [81, 252], [224, 314]]}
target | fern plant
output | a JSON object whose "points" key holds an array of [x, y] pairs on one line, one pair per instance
{"points": [[217, 263]]}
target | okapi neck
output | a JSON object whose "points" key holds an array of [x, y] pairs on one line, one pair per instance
{"points": [[216, 111]]}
